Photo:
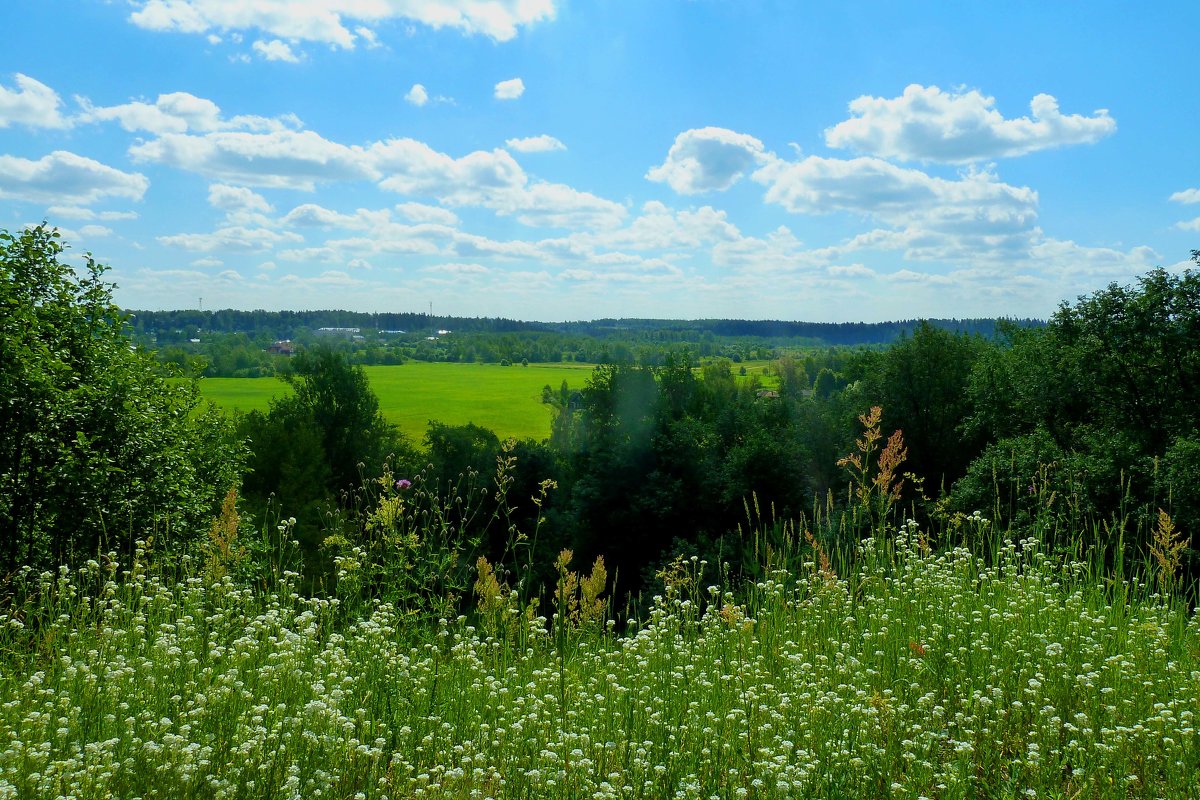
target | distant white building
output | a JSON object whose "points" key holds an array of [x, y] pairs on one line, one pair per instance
{"points": [[345, 332]]}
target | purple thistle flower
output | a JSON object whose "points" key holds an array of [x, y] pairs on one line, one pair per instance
{"points": [[402, 484]]}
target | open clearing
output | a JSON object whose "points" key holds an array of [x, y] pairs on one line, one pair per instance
{"points": [[507, 400]]}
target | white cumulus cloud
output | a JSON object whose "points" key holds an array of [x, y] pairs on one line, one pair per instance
{"points": [[491, 179], [311, 215], [557, 205], [457, 268], [1187, 196], [62, 176], [179, 112], [420, 212], [974, 217], [414, 168], [816, 185], [330, 279], [275, 50], [510, 89], [76, 212], [417, 95], [660, 228], [237, 198], [369, 36], [283, 159], [230, 239], [535, 144], [330, 21], [31, 103], [928, 124], [709, 159]]}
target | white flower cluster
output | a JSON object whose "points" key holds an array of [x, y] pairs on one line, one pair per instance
{"points": [[920, 675]]}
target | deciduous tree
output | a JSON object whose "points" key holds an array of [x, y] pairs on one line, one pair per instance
{"points": [[97, 448]]}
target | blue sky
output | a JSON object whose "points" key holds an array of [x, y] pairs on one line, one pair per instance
{"points": [[550, 159]]}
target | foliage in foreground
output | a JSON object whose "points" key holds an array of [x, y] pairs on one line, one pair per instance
{"points": [[914, 674]]}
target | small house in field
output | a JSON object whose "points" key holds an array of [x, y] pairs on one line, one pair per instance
{"points": [[283, 347]]}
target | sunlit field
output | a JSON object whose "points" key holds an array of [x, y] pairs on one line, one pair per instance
{"points": [[914, 675], [506, 400]]}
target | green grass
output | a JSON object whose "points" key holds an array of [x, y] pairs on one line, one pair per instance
{"points": [[913, 675], [242, 394], [759, 369], [506, 400]]}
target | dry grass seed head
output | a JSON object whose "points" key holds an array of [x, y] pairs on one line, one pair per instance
{"points": [[1166, 547], [824, 566], [224, 551]]}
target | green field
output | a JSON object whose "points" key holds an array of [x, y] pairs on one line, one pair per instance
{"points": [[507, 400]]}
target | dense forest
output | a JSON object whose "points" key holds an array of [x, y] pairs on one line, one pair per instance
{"points": [[1078, 431], [238, 344]]}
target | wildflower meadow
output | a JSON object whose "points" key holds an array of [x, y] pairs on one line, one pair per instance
{"points": [[897, 671]]}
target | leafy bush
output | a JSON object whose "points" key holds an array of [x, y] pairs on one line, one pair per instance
{"points": [[317, 447]]}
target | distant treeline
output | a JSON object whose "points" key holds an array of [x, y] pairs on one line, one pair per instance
{"points": [[815, 333], [289, 324]]}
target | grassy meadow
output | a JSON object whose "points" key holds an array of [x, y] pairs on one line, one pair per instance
{"points": [[914, 674], [507, 400]]}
